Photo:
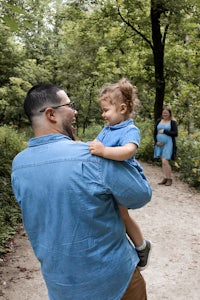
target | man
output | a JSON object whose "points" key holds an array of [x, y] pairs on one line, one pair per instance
{"points": [[69, 201]]}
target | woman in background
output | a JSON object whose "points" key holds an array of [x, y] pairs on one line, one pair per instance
{"points": [[165, 132]]}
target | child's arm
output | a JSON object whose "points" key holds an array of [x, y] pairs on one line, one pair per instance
{"points": [[120, 153]]}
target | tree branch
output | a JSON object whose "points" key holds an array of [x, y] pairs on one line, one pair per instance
{"points": [[166, 30], [134, 29]]}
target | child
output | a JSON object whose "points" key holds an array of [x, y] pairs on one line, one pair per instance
{"points": [[119, 141]]}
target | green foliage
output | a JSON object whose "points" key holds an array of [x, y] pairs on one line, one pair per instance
{"points": [[81, 45], [145, 151], [10, 55], [13, 19], [13, 93], [11, 143], [188, 160], [12, 109], [10, 214], [89, 134]]}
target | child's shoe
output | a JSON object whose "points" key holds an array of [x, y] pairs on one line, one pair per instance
{"points": [[144, 256]]}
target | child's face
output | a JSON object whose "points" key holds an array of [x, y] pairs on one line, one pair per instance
{"points": [[112, 113]]}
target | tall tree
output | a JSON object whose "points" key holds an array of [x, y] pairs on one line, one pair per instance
{"points": [[163, 14], [151, 21], [81, 45]]}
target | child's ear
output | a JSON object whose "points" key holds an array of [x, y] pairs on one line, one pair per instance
{"points": [[123, 108]]}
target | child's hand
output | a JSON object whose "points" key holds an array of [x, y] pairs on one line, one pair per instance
{"points": [[96, 148]]}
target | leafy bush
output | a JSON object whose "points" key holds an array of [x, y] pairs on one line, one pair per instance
{"points": [[90, 134], [10, 144], [188, 160], [146, 148]]}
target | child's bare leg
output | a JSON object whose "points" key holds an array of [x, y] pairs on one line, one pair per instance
{"points": [[142, 246], [132, 228]]}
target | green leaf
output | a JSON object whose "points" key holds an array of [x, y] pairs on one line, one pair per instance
{"points": [[11, 23], [15, 8], [27, 24]]}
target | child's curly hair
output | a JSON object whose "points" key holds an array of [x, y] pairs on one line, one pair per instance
{"points": [[121, 92]]}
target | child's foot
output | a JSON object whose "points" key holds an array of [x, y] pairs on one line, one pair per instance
{"points": [[144, 256]]}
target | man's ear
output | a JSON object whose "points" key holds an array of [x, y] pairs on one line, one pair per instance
{"points": [[123, 108], [50, 114]]}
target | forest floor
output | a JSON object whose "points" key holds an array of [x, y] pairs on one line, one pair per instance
{"points": [[171, 221]]}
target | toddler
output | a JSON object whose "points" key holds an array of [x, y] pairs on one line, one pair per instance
{"points": [[119, 140]]}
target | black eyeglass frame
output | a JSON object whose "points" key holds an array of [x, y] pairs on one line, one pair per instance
{"points": [[70, 105]]}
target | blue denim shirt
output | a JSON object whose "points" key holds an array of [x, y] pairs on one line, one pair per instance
{"points": [[69, 207], [119, 135]]}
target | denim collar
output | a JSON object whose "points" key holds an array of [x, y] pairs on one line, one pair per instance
{"points": [[46, 139], [121, 125]]}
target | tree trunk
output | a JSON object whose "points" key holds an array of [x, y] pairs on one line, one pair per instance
{"points": [[158, 55]]}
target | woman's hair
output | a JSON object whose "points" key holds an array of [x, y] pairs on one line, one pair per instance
{"points": [[121, 92]]}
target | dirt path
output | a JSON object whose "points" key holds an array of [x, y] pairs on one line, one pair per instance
{"points": [[171, 221]]}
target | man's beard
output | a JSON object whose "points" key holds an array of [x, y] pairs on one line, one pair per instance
{"points": [[69, 131]]}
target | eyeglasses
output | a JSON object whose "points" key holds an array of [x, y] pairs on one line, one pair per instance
{"points": [[70, 105]]}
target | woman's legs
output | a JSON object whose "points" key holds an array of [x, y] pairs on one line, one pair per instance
{"points": [[166, 168], [167, 172]]}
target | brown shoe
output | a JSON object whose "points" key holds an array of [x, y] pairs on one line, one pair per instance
{"points": [[163, 181], [169, 182]]}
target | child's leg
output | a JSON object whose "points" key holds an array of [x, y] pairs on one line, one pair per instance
{"points": [[142, 246], [132, 228]]}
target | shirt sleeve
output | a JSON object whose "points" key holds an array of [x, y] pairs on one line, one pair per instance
{"points": [[132, 135], [126, 184]]}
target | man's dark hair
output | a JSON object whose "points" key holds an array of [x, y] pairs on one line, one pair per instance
{"points": [[40, 96]]}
